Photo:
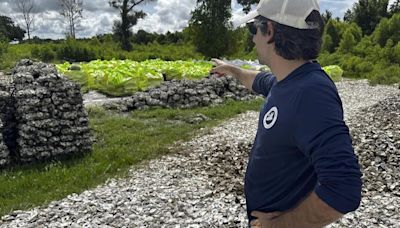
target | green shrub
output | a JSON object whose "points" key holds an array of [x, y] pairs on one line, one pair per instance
{"points": [[334, 71], [351, 65], [347, 43], [44, 53], [333, 31], [74, 51], [365, 47], [326, 58], [384, 74], [3, 50], [391, 52], [387, 29], [35, 52], [171, 52], [396, 53], [327, 44]]}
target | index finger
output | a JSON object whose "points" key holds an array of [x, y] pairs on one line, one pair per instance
{"points": [[216, 61], [255, 222]]}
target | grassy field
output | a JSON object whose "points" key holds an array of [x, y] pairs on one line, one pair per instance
{"points": [[122, 141]]}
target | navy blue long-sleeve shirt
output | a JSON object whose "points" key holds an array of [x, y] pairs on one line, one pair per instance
{"points": [[302, 145]]}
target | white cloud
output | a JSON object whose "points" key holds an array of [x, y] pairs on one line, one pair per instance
{"points": [[168, 15], [339, 7], [237, 11]]}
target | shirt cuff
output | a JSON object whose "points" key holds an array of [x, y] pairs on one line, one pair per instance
{"points": [[256, 83], [338, 201]]}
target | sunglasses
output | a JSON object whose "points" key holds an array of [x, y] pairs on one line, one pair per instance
{"points": [[253, 26]]}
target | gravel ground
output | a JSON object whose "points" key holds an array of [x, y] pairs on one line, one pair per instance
{"points": [[201, 185], [96, 98]]}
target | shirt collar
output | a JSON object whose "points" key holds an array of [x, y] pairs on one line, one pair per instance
{"points": [[305, 68]]}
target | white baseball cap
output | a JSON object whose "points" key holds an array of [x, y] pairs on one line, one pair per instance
{"points": [[292, 13]]}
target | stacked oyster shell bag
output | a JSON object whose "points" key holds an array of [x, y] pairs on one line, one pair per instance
{"points": [[5, 115], [4, 152], [185, 94], [48, 114]]}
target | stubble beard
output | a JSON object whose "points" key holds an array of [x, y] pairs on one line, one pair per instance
{"points": [[261, 60]]}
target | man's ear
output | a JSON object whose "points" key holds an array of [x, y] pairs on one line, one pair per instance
{"points": [[270, 32]]}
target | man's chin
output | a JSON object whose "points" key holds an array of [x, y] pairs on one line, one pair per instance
{"points": [[261, 61]]}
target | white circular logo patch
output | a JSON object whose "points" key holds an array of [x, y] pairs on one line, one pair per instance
{"points": [[270, 117]]}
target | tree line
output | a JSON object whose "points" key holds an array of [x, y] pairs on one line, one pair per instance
{"points": [[209, 28], [366, 43], [71, 11]]}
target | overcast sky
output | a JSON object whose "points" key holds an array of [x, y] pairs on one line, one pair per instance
{"points": [[162, 16]]}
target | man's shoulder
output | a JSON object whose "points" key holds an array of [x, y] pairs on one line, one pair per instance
{"points": [[317, 80]]}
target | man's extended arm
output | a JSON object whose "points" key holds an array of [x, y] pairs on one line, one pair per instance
{"points": [[246, 77]]}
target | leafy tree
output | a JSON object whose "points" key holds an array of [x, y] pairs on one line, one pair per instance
{"points": [[387, 52], [191, 33], [95, 42], [368, 13], [210, 26], [106, 38], [161, 39], [129, 18], [394, 8], [396, 53], [327, 16], [332, 29], [143, 37], [170, 38], [367, 49], [347, 43], [247, 4], [348, 16], [173, 38], [355, 30], [9, 30], [327, 44], [387, 29], [71, 10]]}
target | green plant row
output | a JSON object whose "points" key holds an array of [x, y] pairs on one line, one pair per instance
{"points": [[118, 73]]}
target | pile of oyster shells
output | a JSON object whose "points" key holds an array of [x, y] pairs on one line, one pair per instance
{"points": [[376, 136]]}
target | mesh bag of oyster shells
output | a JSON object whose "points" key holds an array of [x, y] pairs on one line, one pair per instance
{"points": [[185, 94], [4, 103], [50, 120], [4, 152]]}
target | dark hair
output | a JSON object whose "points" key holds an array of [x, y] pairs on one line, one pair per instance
{"points": [[293, 43]]}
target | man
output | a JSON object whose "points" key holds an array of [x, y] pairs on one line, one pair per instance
{"points": [[302, 170]]}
